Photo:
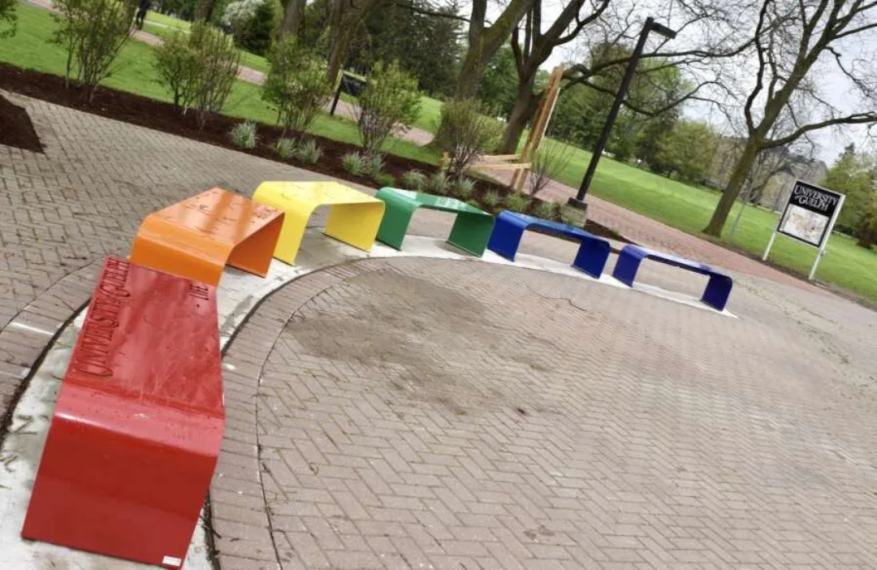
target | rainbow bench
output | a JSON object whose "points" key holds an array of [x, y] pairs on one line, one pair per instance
{"points": [[138, 422], [718, 288], [510, 227]]}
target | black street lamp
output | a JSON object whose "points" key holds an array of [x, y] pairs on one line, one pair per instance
{"points": [[650, 26]]}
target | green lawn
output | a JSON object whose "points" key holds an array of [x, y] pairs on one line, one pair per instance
{"points": [[167, 21], [674, 203], [133, 72], [689, 209], [430, 113]]}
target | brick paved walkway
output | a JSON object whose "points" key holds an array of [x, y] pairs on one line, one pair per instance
{"points": [[61, 212], [419, 414], [489, 418]]}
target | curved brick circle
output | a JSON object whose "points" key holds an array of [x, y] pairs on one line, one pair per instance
{"points": [[414, 413]]}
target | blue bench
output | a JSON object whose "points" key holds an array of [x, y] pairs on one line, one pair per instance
{"points": [[510, 227], [718, 289]]}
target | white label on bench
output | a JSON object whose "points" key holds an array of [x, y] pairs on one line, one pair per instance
{"points": [[172, 561]]}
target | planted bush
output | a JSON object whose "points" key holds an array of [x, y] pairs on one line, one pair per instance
{"points": [[176, 65], [215, 69], [517, 202], [414, 180], [438, 183], [296, 85], [547, 210], [253, 22], [93, 32], [285, 148], [244, 135], [309, 152], [374, 163], [390, 103], [467, 133], [352, 163], [385, 180], [464, 188], [7, 14], [491, 199]]}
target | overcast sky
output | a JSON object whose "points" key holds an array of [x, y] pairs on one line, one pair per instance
{"points": [[834, 86]]}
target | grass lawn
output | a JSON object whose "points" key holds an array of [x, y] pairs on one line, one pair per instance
{"points": [[167, 21], [689, 209], [674, 203], [133, 72]]}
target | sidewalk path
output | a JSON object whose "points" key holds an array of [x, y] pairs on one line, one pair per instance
{"points": [[418, 413]]}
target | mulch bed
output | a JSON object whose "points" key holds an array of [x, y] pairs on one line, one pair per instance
{"points": [[16, 129], [163, 117]]}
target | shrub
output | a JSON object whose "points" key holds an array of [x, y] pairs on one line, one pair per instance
{"points": [[297, 85], [216, 66], [253, 22], [464, 188], [868, 224], [547, 210], [374, 164], [570, 221], [352, 163], [7, 14], [551, 158], [492, 199], [309, 152], [175, 63], [390, 102], [93, 31], [517, 202], [244, 135], [438, 183], [385, 180], [467, 133], [414, 180], [285, 148], [474, 203]]}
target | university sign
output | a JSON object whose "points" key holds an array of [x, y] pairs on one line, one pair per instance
{"points": [[809, 217]]}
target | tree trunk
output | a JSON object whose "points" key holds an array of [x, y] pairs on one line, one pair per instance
{"points": [[205, 10], [470, 73], [522, 112], [293, 18], [732, 190], [338, 52]]}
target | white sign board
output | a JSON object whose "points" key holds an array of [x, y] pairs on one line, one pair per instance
{"points": [[809, 217]]}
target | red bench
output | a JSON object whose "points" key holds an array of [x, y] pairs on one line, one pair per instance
{"points": [[138, 422]]}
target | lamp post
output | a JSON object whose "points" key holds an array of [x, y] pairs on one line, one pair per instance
{"points": [[650, 26]]}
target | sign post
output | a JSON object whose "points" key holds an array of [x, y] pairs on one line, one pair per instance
{"points": [[809, 217], [353, 86]]}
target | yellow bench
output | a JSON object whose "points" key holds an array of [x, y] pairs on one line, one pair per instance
{"points": [[354, 218]]}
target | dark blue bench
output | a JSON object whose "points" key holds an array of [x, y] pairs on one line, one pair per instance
{"points": [[718, 289], [510, 227]]}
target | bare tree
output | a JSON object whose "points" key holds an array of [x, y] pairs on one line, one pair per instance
{"points": [[484, 40], [597, 24], [534, 49], [793, 42]]}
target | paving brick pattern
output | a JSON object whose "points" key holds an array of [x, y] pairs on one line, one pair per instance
{"points": [[419, 414], [61, 212]]}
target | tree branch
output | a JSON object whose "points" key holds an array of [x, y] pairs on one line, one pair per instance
{"points": [[854, 119]]}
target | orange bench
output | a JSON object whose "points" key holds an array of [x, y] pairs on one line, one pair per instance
{"points": [[197, 237]]}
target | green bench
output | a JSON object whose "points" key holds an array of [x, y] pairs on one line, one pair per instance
{"points": [[471, 230]]}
